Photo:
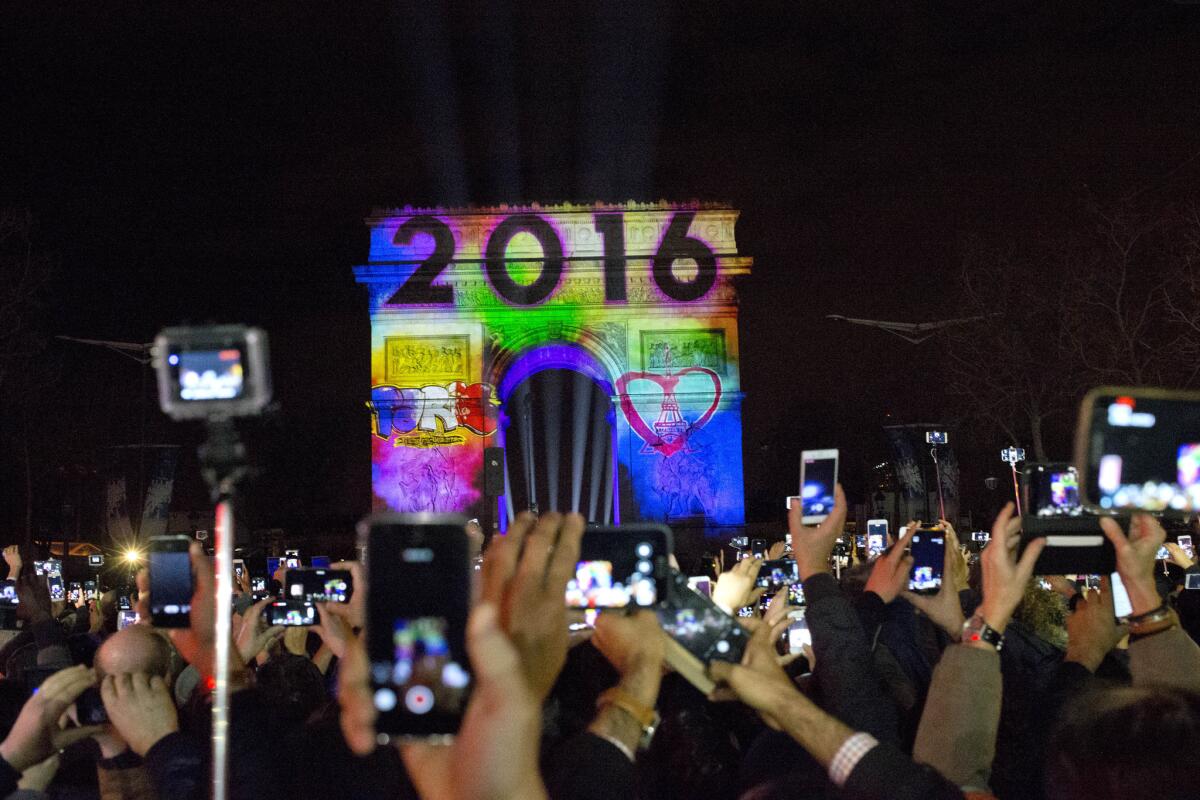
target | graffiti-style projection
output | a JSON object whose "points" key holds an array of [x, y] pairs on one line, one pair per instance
{"points": [[467, 303]]}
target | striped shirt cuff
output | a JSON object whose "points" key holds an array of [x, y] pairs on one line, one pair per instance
{"points": [[848, 755]]}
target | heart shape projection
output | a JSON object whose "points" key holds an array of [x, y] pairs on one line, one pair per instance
{"points": [[667, 446]]}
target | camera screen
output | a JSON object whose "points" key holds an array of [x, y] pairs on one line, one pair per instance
{"points": [[929, 555], [796, 594], [8, 593], [319, 586], [799, 635], [704, 630], [1055, 492], [1144, 453], [617, 568], [816, 494], [417, 604], [209, 374], [777, 574], [258, 584], [293, 614], [170, 583]]}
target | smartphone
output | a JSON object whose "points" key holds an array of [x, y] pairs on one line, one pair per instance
{"points": [[8, 594], [701, 585], [1139, 450], [798, 634], [96, 560], [928, 548], [1191, 580], [126, 617], [74, 592], [777, 574], [418, 596], [291, 554], [258, 584], [818, 477], [936, 437], [50, 566], [1185, 542], [89, 590], [319, 561], [291, 563], [171, 586], [57, 591], [860, 541], [290, 613], [981, 536], [89, 708], [877, 533], [758, 548], [239, 569], [1163, 554], [700, 626], [319, 585], [620, 567], [124, 603], [1122, 608]]}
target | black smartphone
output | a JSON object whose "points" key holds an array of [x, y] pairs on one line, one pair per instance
{"points": [[776, 574], [258, 584], [290, 613], [700, 625], [928, 548], [57, 590], [171, 586], [1139, 450], [619, 567], [124, 603], [89, 708], [758, 548], [89, 590], [418, 597], [74, 591], [319, 585]]}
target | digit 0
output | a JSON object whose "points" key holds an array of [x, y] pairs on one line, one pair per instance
{"points": [[496, 265]]}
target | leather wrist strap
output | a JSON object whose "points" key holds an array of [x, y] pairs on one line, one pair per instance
{"points": [[1153, 615], [616, 696], [1158, 624]]}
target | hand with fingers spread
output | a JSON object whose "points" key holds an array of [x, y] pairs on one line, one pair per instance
{"points": [[943, 608], [1004, 576], [254, 636], [889, 576], [759, 681], [735, 589], [1092, 629], [141, 709], [1136, 558], [35, 736], [813, 546]]}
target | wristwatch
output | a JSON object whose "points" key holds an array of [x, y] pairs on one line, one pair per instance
{"points": [[976, 630], [647, 718]]}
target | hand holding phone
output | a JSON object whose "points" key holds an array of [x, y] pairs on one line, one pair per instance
{"points": [[621, 567], [928, 548]]}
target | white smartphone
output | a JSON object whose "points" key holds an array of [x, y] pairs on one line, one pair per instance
{"points": [[1185, 543], [877, 531], [818, 478], [798, 633], [1121, 605]]}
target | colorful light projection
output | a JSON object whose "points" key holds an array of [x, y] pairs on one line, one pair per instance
{"points": [[466, 303]]}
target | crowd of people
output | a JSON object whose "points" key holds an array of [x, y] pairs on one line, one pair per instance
{"points": [[995, 686]]}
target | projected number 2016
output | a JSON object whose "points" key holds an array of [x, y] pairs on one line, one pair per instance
{"points": [[675, 245]]}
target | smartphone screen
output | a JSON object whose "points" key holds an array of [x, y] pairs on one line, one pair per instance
{"points": [[700, 626], [320, 561], [1141, 449], [1192, 580], [799, 635], [291, 613], [929, 557], [1185, 542], [125, 618], [777, 574], [621, 566], [57, 592], [1163, 554], [1121, 606], [74, 592], [319, 585], [258, 584], [818, 477], [89, 590], [239, 569], [170, 582], [8, 594], [418, 597], [796, 594]]}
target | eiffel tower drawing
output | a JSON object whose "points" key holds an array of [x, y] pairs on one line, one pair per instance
{"points": [[670, 425]]}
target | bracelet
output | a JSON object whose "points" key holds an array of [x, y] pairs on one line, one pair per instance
{"points": [[1153, 615], [616, 696], [1150, 627]]}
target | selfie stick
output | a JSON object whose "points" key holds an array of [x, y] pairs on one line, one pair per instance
{"points": [[222, 459], [937, 472]]}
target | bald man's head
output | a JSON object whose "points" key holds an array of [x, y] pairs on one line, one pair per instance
{"points": [[136, 649]]}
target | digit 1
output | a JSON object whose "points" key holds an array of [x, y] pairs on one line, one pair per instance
{"points": [[612, 228]]}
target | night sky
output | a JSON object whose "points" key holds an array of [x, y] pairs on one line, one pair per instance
{"points": [[192, 163]]}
